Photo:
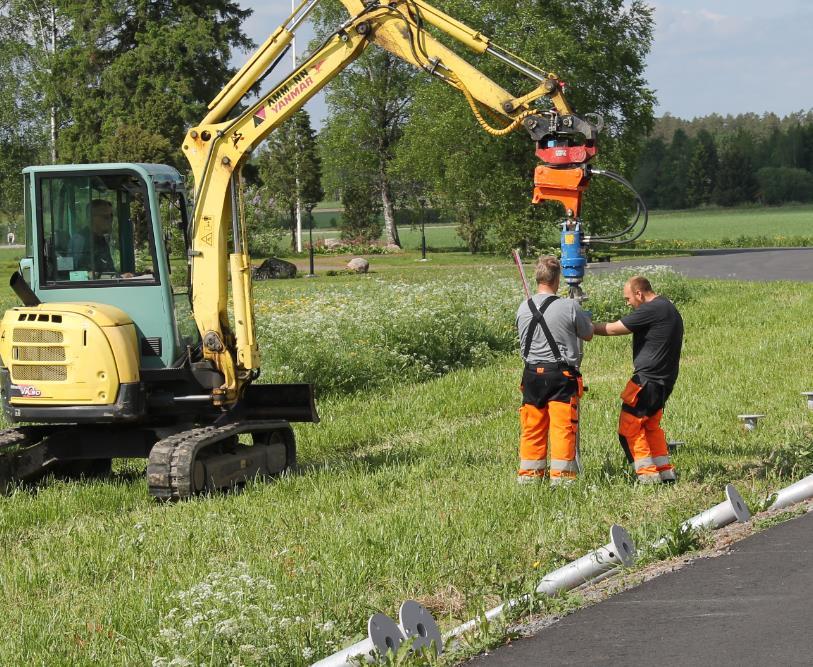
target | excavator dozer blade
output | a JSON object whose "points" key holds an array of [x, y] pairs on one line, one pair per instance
{"points": [[291, 402]]}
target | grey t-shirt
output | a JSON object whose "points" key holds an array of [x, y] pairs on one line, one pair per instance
{"points": [[568, 324]]}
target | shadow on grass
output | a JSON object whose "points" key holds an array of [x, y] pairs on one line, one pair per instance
{"points": [[370, 462]]}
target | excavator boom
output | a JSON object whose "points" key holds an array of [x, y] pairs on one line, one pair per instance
{"points": [[218, 147]]}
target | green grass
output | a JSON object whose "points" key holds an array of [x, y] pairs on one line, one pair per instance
{"points": [[705, 226], [717, 224], [406, 489]]}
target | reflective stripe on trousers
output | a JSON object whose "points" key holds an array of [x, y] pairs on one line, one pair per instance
{"points": [[643, 462], [557, 420], [563, 466], [644, 442]]}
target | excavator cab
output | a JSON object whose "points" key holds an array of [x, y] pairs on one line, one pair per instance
{"points": [[103, 234], [102, 307], [106, 346]]}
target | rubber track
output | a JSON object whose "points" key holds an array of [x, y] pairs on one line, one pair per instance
{"points": [[11, 437], [171, 461]]}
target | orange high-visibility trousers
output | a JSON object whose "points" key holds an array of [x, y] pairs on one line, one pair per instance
{"points": [[557, 420], [646, 443]]}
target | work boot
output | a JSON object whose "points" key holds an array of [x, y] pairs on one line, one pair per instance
{"points": [[668, 476], [562, 481], [649, 478], [530, 479]]}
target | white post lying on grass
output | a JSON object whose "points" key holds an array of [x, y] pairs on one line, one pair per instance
{"points": [[797, 492], [732, 509], [380, 626], [809, 398], [363, 649], [619, 551], [384, 635]]}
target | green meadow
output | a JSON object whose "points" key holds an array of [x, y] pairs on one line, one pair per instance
{"points": [[775, 226], [406, 489]]}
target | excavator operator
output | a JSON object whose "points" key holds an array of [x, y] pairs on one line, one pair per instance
{"points": [[89, 247]]}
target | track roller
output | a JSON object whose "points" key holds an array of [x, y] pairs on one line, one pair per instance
{"points": [[211, 458]]}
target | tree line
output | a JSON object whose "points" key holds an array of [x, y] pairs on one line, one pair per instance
{"points": [[108, 81], [727, 161]]}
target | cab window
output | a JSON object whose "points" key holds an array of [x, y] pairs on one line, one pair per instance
{"points": [[95, 229]]}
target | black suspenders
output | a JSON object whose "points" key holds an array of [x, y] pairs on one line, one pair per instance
{"points": [[538, 320]]}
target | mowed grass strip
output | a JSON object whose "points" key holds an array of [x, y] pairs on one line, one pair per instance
{"points": [[405, 490]]}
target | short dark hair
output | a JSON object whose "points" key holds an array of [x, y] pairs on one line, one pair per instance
{"points": [[99, 203], [640, 284], [548, 269]]}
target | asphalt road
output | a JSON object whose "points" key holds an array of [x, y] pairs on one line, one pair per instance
{"points": [[750, 607], [735, 264]]}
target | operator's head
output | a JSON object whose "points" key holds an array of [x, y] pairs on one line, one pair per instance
{"points": [[101, 216], [637, 290], [548, 271]]}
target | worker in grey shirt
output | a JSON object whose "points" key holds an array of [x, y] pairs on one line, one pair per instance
{"points": [[550, 334]]}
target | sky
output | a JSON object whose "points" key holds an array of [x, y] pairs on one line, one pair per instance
{"points": [[723, 56]]}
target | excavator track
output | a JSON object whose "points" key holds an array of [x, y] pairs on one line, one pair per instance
{"points": [[14, 464], [210, 458]]}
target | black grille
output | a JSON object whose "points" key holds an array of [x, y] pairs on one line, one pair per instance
{"points": [[151, 347]]}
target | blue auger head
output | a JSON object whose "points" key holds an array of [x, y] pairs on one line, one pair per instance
{"points": [[573, 258]]}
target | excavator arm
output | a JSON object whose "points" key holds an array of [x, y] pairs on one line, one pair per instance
{"points": [[219, 146]]}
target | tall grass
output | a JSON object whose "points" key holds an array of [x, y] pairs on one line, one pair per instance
{"points": [[376, 331]]}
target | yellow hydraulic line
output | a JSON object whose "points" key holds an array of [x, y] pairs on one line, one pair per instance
{"points": [[496, 132]]}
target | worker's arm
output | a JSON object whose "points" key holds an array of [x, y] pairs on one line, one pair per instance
{"points": [[610, 329], [584, 324]]}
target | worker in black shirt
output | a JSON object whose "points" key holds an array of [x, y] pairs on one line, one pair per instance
{"points": [[657, 338]]}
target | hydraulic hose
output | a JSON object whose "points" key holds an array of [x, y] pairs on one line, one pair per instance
{"points": [[494, 131], [641, 208]]}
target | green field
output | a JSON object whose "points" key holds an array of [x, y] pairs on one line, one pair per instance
{"points": [[716, 224], [703, 225], [406, 488]]}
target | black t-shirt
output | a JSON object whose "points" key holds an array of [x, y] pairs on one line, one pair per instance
{"points": [[657, 338]]}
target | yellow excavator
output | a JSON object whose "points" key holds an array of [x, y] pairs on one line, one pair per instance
{"points": [[101, 362]]}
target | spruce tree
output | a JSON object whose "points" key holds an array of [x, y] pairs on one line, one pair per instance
{"points": [[289, 168], [675, 172], [736, 182], [702, 170]]}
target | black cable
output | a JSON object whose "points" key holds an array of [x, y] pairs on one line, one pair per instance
{"points": [[641, 206]]}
